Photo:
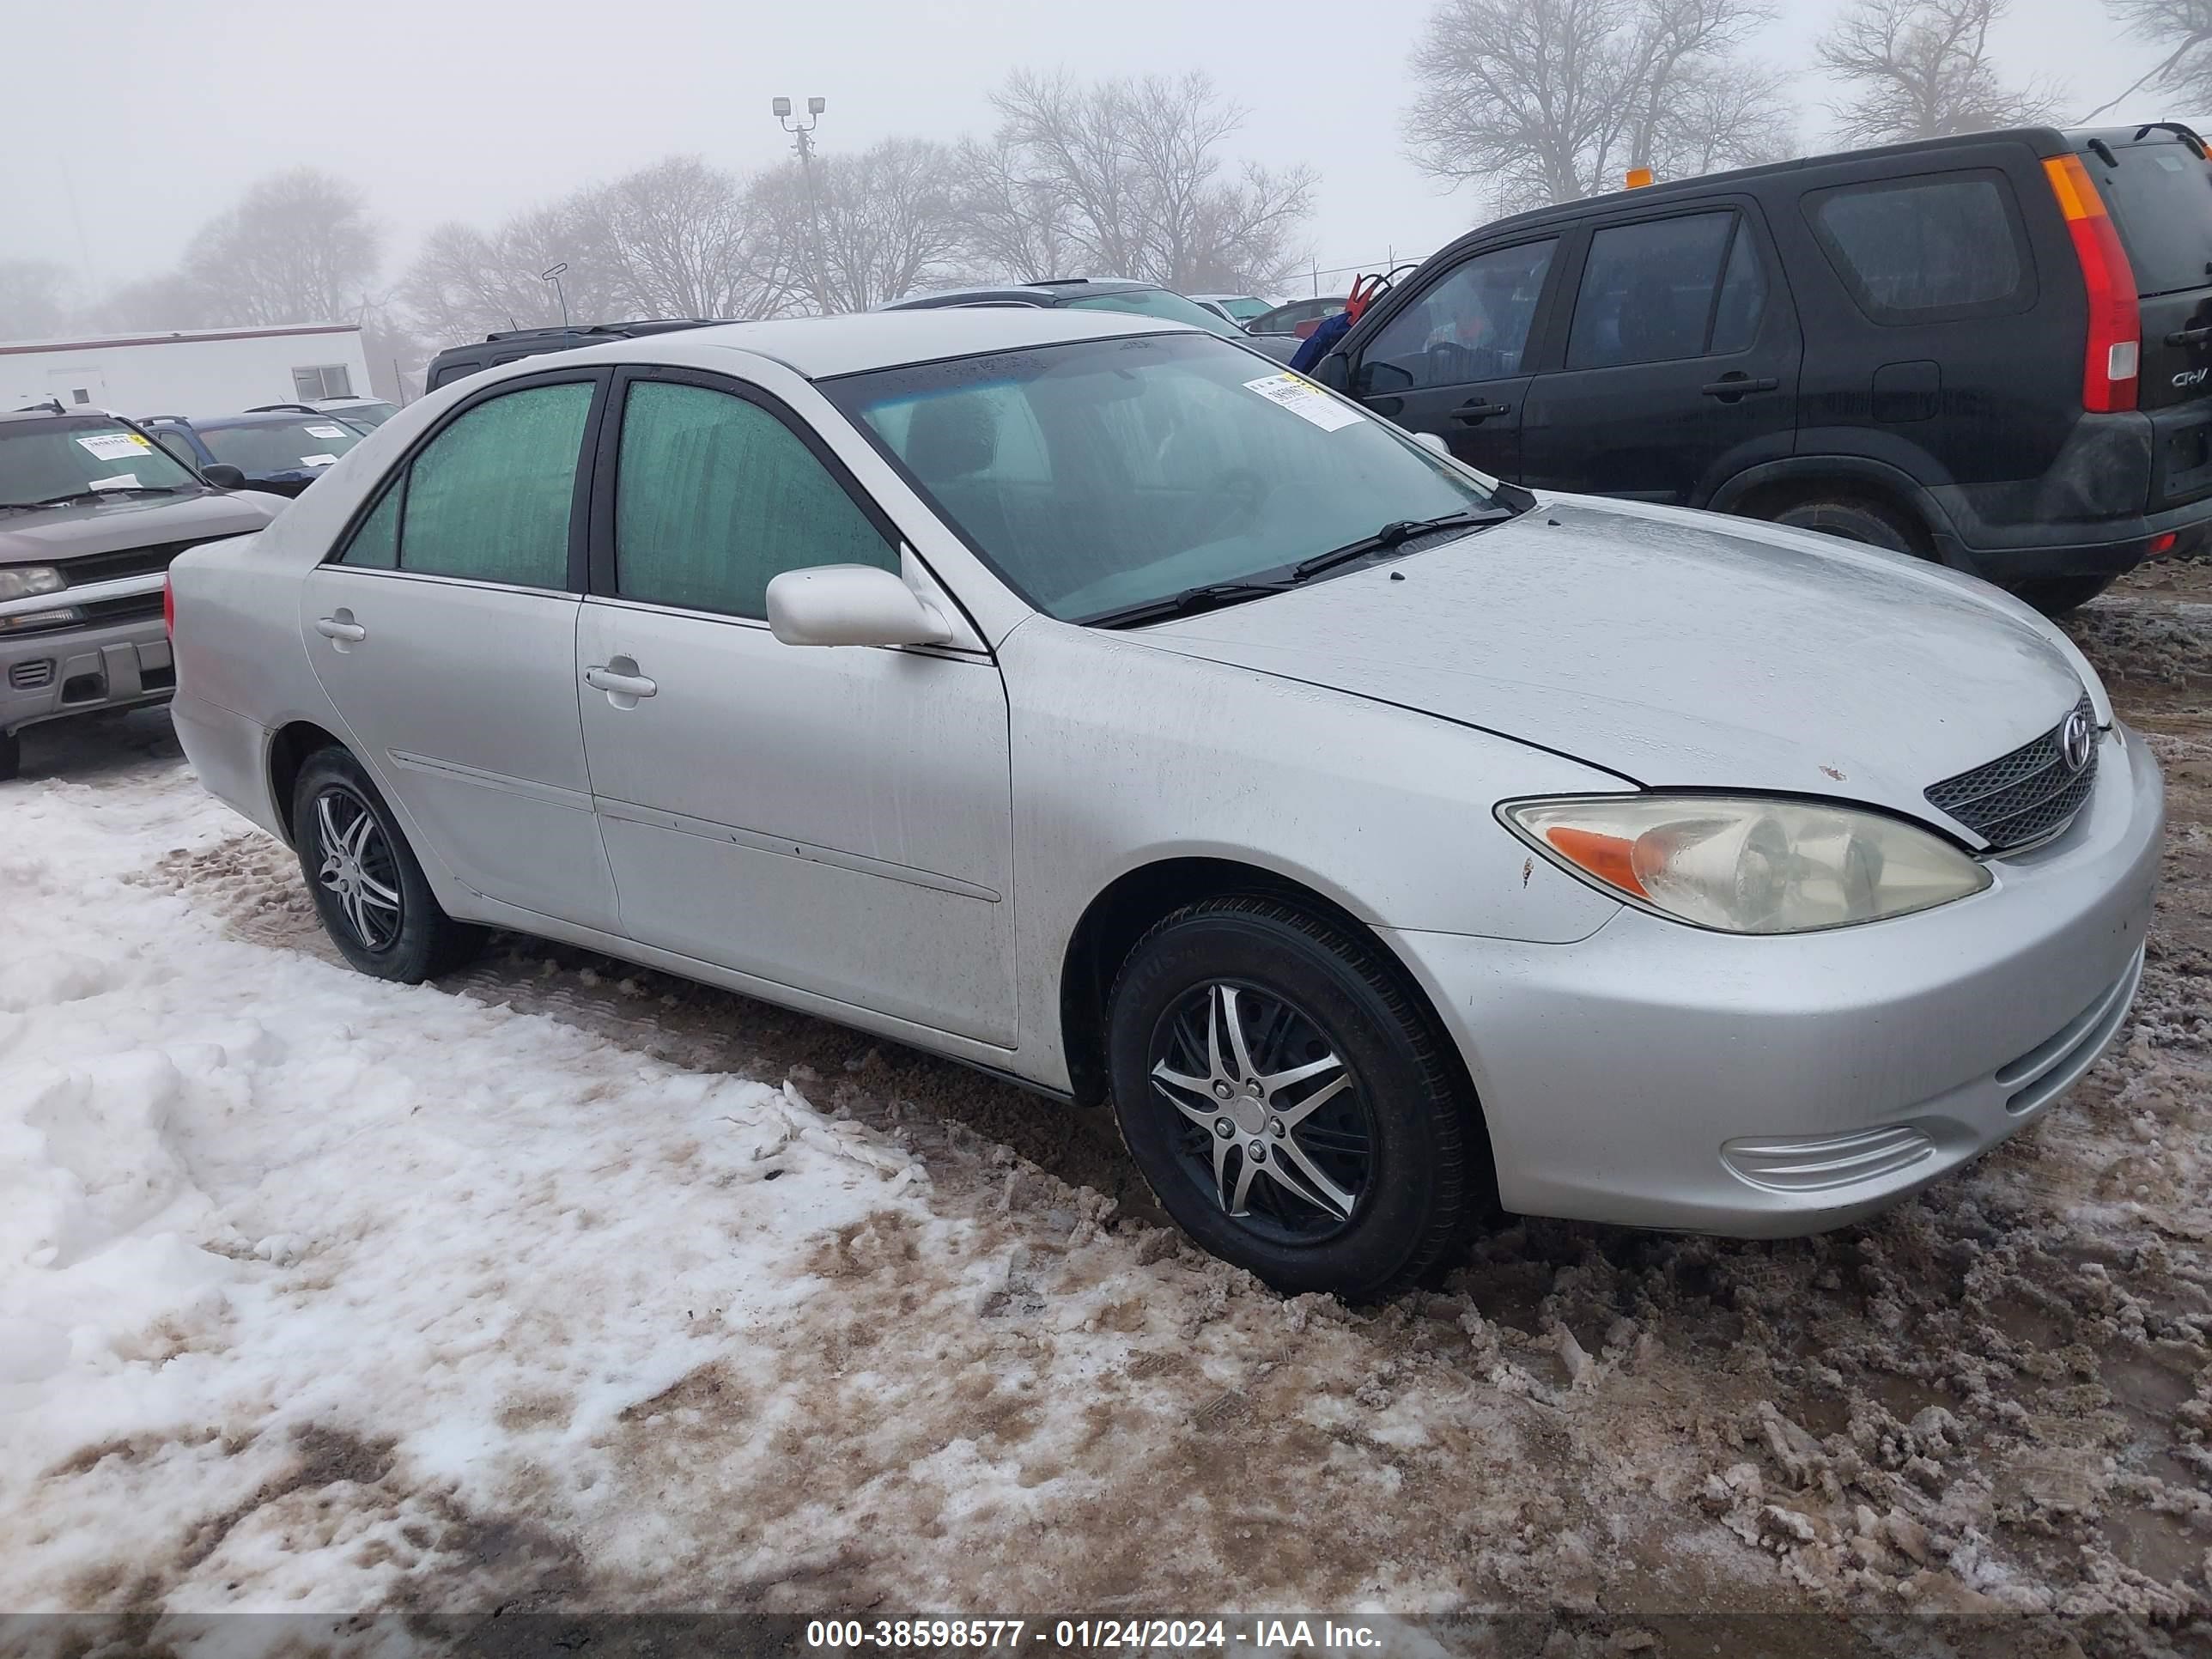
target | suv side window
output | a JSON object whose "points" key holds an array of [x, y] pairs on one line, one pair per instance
{"points": [[1471, 325], [178, 446], [489, 498], [1924, 249], [1649, 289], [713, 495]]}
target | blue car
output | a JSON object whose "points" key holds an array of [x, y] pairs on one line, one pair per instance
{"points": [[280, 450]]}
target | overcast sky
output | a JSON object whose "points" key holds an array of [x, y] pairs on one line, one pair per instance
{"points": [[156, 114]]}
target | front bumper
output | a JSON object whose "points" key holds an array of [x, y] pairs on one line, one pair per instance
{"points": [[74, 670], [1658, 1075]]}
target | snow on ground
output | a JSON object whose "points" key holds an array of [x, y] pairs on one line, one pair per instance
{"points": [[568, 1284]]}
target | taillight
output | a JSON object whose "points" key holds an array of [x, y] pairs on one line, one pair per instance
{"points": [[169, 608], [2114, 356]]}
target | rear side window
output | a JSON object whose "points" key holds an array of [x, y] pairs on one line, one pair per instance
{"points": [[2161, 196], [489, 498], [1648, 291], [714, 496], [1472, 324], [1926, 249]]}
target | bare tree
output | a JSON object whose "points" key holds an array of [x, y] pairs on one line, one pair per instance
{"points": [[2180, 31], [682, 239], [466, 282], [859, 229], [1012, 223], [1126, 178], [1922, 69], [299, 248], [1547, 100], [32, 305]]}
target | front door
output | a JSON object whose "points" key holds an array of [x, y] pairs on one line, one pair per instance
{"points": [[444, 633], [1449, 361], [834, 819], [1680, 368]]}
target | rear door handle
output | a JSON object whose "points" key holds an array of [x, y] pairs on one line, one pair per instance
{"points": [[1735, 386], [2189, 337], [341, 627], [1472, 414], [601, 678]]}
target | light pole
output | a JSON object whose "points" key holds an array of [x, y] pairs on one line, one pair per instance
{"points": [[803, 141], [554, 277]]}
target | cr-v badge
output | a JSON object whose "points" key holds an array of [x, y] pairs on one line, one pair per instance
{"points": [[2191, 376]]}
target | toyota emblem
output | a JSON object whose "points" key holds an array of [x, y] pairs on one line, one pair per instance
{"points": [[2076, 739]]}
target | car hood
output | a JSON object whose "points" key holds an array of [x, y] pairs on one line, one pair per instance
{"points": [[1677, 649], [50, 534]]}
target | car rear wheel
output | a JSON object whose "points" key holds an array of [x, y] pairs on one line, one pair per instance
{"points": [[367, 884], [1288, 1100], [1856, 521], [2054, 596]]}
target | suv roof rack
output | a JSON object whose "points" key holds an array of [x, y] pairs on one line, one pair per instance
{"points": [[279, 409]]}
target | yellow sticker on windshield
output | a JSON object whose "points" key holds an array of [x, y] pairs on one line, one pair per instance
{"points": [[1305, 400]]}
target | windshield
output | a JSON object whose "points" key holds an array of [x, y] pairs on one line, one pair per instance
{"points": [[1163, 303], [1104, 474], [311, 441], [41, 459], [2162, 196], [1244, 310], [365, 414]]}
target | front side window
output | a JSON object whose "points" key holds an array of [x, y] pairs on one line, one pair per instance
{"points": [[1922, 249], [1471, 325], [489, 499], [42, 459], [714, 496], [1101, 474], [326, 380], [1647, 291]]}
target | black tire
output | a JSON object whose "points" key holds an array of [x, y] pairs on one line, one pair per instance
{"points": [[1398, 1138], [1858, 521], [2054, 596], [370, 891], [11, 756]]}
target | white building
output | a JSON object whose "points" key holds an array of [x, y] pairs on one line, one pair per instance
{"points": [[211, 372]]}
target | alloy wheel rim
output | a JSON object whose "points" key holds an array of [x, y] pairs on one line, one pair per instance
{"points": [[358, 869], [1269, 1121]]}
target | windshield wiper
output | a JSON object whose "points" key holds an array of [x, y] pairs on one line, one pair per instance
{"points": [[1188, 603], [90, 495], [1393, 533]]}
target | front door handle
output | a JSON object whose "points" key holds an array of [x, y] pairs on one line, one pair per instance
{"points": [[603, 677], [1729, 387], [1475, 414], [341, 627]]}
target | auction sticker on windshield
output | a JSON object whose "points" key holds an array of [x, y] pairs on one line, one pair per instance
{"points": [[114, 445], [318, 460], [1305, 400], [326, 431]]}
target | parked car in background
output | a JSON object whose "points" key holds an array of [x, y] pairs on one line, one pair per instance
{"points": [[1297, 317], [1069, 694], [1239, 308], [91, 513], [1995, 351], [512, 345], [1103, 294], [360, 411], [282, 449]]}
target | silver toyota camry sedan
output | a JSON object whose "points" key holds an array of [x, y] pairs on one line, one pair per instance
{"points": [[1087, 699]]}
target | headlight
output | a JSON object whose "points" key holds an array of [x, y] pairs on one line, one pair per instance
{"points": [[19, 581], [1742, 865]]}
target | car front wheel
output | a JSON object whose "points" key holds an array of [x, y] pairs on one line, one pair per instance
{"points": [[367, 884], [1289, 1101]]}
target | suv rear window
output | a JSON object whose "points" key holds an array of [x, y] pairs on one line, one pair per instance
{"points": [[1924, 249], [2160, 196]]}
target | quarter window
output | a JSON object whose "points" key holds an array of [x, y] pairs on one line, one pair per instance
{"points": [[375, 544], [714, 496], [1471, 324], [1648, 291], [1920, 249]]}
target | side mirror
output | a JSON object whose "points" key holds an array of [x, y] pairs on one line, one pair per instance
{"points": [[1429, 440], [851, 605], [222, 476]]}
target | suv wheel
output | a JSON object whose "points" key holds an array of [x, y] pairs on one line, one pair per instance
{"points": [[2054, 596], [1288, 1101], [367, 886], [1856, 521]]}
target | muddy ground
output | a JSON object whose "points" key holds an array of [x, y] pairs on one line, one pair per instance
{"points": [[1996, 1397]]}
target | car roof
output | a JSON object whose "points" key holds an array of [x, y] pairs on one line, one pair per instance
{"points": [[1050, 292], [820, 347]]}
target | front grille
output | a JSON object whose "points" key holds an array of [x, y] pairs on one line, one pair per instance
{"points": [[31, 676], [2027, 795], [130, 562]]}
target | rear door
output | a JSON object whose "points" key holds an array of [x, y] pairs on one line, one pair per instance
{"points": [[1452, 358], [2159, 193], [1681, 361]]}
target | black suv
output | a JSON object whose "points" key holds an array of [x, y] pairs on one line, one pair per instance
{"points": [[1990, 349], [512, 345]]}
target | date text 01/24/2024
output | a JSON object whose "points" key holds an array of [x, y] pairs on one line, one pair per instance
{"points": [[1090, 1634]]}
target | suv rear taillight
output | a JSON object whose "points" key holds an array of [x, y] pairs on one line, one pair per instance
{"points": [[169, 608], [2115, 349]]}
